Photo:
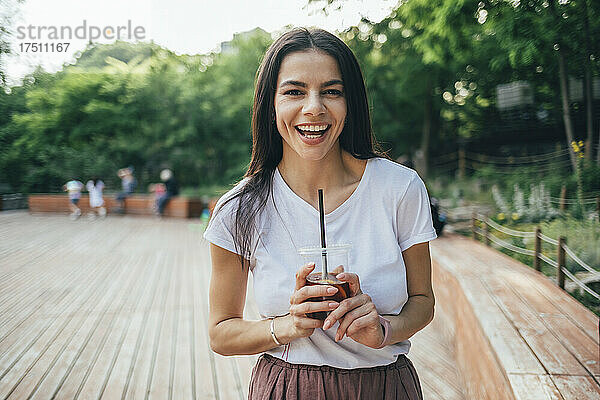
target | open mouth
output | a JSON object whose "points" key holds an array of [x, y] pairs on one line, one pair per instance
{"points": [[312, 131]]}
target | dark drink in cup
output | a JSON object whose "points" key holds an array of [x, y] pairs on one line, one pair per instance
{"points": [[343, 292], [336, 258]]}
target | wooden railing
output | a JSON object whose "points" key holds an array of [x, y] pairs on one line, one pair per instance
{"points": [[480, 227], [136, 204]]}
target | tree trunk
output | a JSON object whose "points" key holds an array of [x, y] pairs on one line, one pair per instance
{"points": [[589, 124], [562, 75], [598, 153], [587, 87], [426, 133]]}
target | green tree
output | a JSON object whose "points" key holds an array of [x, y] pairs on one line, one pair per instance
{"points": [[460, 50], [152, 109], [8, 9]]}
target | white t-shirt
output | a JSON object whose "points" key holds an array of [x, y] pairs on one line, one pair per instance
{"points": [[96, 199], [388, 212], [74, 188]]}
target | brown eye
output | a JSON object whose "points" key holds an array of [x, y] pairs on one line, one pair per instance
{"points": [[333, 92]]}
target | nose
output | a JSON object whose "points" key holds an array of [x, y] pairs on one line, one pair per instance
{"points": [[314, 105]]}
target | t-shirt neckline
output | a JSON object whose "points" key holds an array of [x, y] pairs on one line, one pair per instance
{"points": [[340, 209]]}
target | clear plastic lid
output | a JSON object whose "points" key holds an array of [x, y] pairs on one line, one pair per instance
{"points": [[333, 249]]}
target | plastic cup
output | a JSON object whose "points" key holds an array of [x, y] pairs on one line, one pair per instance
{"points": [[337, 262]]}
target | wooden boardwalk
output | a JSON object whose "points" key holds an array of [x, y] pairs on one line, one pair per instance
{"points": [[514, 328], [117, 309]]}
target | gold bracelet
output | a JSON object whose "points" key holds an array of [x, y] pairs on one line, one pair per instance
{"points": [[277, 342]]}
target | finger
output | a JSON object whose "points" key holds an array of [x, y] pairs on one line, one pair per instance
{"points": [[352, 316], [352, 280], [369, 320], [345, 306], [313, 306], [302, 273], [307, 292], [338, 270]]}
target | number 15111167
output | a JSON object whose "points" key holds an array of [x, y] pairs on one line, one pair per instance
{"points": [[34, 47]]}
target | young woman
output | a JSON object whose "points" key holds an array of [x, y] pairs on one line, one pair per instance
{"points": [[311, 129]]}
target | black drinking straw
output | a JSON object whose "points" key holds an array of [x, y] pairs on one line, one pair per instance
{"points": [[323, 245]]}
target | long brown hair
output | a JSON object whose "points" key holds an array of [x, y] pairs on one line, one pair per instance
{"points": [[267, 149]]}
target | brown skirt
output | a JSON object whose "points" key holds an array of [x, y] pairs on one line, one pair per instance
{"points": [[275, 379]]}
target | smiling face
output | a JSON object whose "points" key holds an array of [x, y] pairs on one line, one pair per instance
{"points": [[310, 104]]}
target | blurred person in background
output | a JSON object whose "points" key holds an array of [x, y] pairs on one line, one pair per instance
{"points": [[128, 183], [166, 175], [74, 188], [437, 215], [95, 186], [159, 190]]}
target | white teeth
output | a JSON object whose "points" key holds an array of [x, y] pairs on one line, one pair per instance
{"points": [[319, 130], [312, 128]]}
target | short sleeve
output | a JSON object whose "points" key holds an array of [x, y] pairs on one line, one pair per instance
{"points": [[221, 225], [414, 220]]}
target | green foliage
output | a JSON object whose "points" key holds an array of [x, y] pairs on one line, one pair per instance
{"points": [[138, 105], [583, 237], [8, 8], [212, 191], [97, 55], [431, 67], [437, 63]]}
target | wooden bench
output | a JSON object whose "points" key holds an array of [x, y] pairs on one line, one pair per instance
{"points": [[516, 334], [137, 204]]}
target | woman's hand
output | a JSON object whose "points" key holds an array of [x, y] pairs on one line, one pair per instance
{"points": [[297, 324], [357, 315]]}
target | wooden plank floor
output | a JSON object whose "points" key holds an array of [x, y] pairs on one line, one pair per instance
{"points": [[545, 342], [117, 309]]}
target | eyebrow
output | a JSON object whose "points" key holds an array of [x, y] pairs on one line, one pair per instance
{"points": [[302, 84]]}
